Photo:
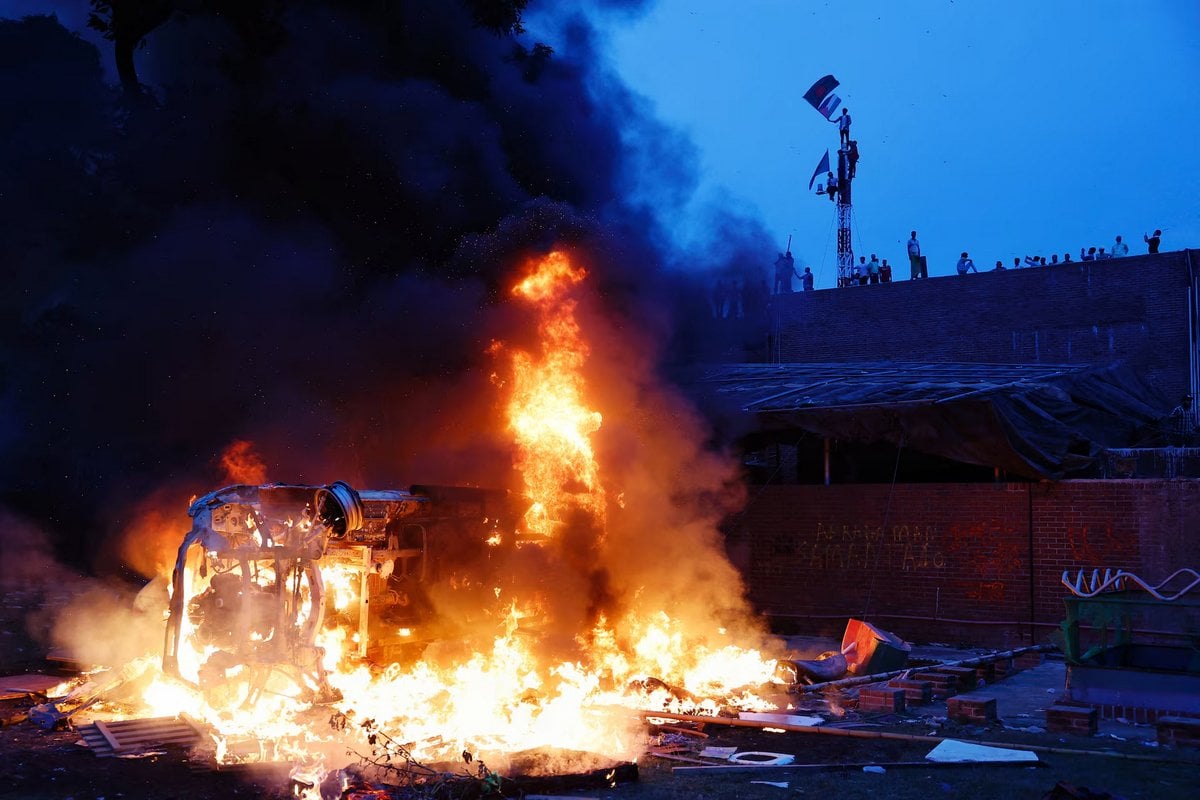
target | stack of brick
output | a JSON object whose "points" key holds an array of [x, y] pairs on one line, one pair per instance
{"points": [[1179, 731], [943, 685], [971, 709], [1077, 720], [884, 698], [967, 680], [1002, 668], [985, 672], [916, 693], [1029, 660]]}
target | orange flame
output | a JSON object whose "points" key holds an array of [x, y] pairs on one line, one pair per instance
{"points": [[548, 417]]}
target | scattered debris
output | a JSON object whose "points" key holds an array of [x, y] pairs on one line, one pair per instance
{"points": [[776, 784], [874, 769], [757, 758], [954, 751], [781, 719], [718, 752], [130, 736], [874, 650], [1066, 791], [56, 713]]}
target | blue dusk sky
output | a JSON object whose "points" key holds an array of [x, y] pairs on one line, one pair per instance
{"points": [[1003, 129]]}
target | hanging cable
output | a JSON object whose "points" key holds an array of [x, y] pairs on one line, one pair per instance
{"points": [[887, 510]]}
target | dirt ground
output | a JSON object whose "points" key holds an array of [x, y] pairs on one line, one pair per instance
{"points": [[54, 765]]}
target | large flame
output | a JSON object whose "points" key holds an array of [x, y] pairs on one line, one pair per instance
{"points": [[518, 685], [549, 420]]}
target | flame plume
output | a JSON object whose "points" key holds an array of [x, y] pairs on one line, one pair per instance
{"points": [[547, 415]]}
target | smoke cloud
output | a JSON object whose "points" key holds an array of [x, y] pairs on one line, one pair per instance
{"points": [[300, 237]]}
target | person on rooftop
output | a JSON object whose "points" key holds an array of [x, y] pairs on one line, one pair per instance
{"points": [[965, 264], [1090, 255], [916, 267], [1101, 256], [1119, 248], [1153, 241], [1000, 266]]}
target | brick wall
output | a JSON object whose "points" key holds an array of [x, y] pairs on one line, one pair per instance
{"points": [[902, 556], [1132, 309]]}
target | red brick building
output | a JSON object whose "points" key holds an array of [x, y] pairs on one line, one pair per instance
{"points": [[948, 550]]}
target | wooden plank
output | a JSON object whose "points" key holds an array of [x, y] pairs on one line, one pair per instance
{"points": [[30, 683], [108, 736], [734, 769]]}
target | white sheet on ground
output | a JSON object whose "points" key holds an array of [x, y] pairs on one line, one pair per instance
{"points": [[952, 750]]}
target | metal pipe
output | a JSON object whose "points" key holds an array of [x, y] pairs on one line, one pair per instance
{"points": [[826, 460], [1032, 581]]}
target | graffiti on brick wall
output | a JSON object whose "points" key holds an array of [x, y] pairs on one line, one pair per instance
{"points": [[906, 548], [1093, 546], [990, 552]]}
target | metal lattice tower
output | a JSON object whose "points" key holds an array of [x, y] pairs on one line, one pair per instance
{"points": [[845, 249]]}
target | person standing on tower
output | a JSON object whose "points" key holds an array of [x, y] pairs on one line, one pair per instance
{"points": [[844, 127], [852, 158]]}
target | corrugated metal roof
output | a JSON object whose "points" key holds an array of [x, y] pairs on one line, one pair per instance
{"points": [[788, 387]]}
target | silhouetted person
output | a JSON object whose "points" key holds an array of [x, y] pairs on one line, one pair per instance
{"points": [[1000, 266], [873, 269], [1090, 255], [852, 157], [831, 186], [807, 279], [915, 265], [965, 264], [1053, 259], [885, 272], [785, 268], [1153, 241], [1120, 249], [1101, 256], [1066, 258], [844, 127], [1017, 262]]}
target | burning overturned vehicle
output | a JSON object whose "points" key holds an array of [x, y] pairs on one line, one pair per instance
{"points": [[303, 621], [267, 573]]}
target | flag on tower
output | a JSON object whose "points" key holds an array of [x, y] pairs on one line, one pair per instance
{"points": [[821, 97], [822, 166]]}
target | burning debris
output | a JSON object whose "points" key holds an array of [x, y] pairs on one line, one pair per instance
{"points": [[450, 627]]}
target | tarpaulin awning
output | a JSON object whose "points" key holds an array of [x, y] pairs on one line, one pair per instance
{"points": [[1029, 419]]}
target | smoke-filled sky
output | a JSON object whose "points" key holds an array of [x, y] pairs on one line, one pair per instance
{"points": [[300, 234], [1003, 129]]}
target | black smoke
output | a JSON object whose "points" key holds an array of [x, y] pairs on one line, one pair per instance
{"points": [[296, 228]]}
